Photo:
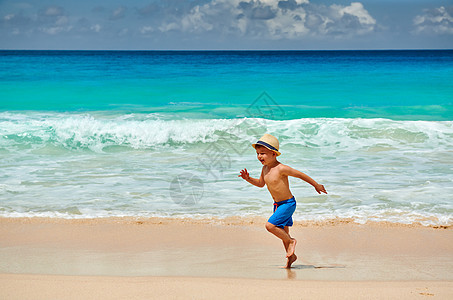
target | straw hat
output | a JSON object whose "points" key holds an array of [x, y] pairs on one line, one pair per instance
{"points": [[268, 141]]}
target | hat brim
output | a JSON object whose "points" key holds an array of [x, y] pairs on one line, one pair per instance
{"points": [[266, 145]]}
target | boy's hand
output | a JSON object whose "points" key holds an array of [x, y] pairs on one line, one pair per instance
{"points": [[245, 175], [320, 189]]}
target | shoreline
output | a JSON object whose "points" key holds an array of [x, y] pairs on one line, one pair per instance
{"points": [[227, 221]]}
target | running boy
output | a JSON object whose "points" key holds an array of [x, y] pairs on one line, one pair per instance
{"points": [[275, 176]]}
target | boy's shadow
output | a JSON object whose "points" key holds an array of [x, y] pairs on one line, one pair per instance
{"points": [[301, 267], [291, 273]]}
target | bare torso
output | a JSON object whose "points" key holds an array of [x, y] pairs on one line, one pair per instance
{"points": [[277, 182]]}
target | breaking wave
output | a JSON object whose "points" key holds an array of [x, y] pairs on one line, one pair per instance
{"points": [[98, 132]]}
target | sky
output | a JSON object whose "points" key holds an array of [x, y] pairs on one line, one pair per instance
{"points": [[226, 24]]}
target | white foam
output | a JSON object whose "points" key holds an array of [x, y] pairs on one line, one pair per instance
{"points": [[373, 168], [75, 131]]}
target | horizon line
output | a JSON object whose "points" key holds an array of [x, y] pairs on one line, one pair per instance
{"points": [[256, 50]]}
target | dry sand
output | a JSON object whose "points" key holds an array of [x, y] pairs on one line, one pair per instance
{"points": [[220, 259], [87, 287]]}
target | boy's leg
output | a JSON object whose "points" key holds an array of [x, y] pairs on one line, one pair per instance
{"points": [[286, 244], [283, 234], [293, 257], [286, 228]]}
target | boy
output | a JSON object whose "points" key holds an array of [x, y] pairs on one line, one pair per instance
{"points": [[275, 176]]}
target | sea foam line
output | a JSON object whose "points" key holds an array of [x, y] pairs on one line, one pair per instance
{"points": [[85, 131]]}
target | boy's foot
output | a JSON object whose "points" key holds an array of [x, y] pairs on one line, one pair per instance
{"points": [[291, 247], [290, 261]]}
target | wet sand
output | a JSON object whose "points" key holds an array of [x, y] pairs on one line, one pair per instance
{"points": [[53, 258]]}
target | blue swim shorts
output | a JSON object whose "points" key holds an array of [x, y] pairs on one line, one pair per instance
{"points": [[283, 212]]}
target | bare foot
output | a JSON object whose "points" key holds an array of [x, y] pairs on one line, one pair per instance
{"points": [[290, 261], [291, 248]]}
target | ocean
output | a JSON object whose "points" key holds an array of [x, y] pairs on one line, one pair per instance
{"points": [[93, 134]]}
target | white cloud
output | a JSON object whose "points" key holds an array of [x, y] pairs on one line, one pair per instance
{"points": [[146, 30], [261, 19], [342, 21], [273, 19], [288, 24], [226, 19], [53, 20], [53, 11], [198, 19], [16, 24], [169, 27], [8, 17], [435, 21], [356, 9], [96, 28], [118, 13], [53, 30]]}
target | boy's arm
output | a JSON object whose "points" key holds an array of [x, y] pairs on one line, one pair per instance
{"points": [[257, 182], [298, 174]]}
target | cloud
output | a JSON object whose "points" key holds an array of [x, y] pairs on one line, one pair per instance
{"points": [[341, 21], [53, 20], [208, 20], [259, 19], [146, 30], [273, 19], [16, 23], [53, 11], [264, 12], [98, 9], [437, 21], [290, 5], [96, 28], [357, 10], [118, 13], [16, 20], [167, 8], [48, 20]]}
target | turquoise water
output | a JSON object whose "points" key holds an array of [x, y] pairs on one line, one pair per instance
{"points": [[99, 133], [414, 85]]}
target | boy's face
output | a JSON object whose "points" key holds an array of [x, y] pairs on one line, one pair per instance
{"points": [[264, 155]]}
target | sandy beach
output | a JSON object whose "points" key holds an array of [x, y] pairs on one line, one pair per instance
{"points": [[117, 258]]}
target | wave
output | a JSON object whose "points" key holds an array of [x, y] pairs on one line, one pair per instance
{"points": [[39, 155], [98, 132]]}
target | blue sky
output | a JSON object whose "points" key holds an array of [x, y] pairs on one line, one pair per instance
{"points": [[226, 24]]}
